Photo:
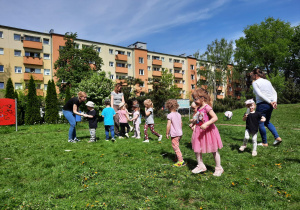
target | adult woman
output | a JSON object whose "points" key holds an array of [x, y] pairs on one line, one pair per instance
{"points": [[70, 109], [116, 98], [266, 100]]}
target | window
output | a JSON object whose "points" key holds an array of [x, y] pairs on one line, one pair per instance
{"points": [[183, 81], [18, 86], [192, 67], [32, 38], [85, 46], [18, 53], [192, 77], [171, 71], [111, 64], [111, 51], [149, 68], [1, 34], [1, 51], [156, 69], [141, 60], [129, 66], [183, 72], [46, 56], [176, 71], [120, 52], [38, 86], [32, 54], [1, 85], [46, 71], [148, 57], [155, 57], [193, 87], [142, 84], [17, 37], [1, 68], [176, 61], [46, 41], [111, 76], [98, 49], [121, 65], [76, 46], [18, 69], [129, 54], [141, 71], [45, 86], [149, 90], [32, 70], [183, 92], [170, 60], [163, 59], [182, 61]]}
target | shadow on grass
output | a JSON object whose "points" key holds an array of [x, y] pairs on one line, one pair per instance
{"points": [[292, 160]]}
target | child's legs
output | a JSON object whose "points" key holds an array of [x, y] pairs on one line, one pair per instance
{"points": [[175, 145], [107, 131], [199, 160], [246, 138], [137, 131], [112, 131], [254, 141], [145, 131], [122, 125], [217, 159], [128, 127], [93, 134], [153, 131]]}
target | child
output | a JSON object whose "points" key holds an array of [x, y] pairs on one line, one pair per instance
{"points": [[206, 137], [123, 119], [149, 116], [174, 129], [108, 113], [136, 121], [92, 118], [195, 115], [252, 119]]}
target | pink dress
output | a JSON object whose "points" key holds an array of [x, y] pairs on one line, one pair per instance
{"points": [[208, 140]]}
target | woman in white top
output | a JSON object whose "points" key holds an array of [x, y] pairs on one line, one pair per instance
{"points": [[266, 100], [117, 97]]}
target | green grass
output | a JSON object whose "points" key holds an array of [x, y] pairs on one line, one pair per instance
{"points": [[37, 173]]}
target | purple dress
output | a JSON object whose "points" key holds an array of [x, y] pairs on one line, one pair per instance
{"points": [[208, 140]]}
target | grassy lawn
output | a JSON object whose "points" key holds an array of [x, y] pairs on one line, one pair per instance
{"points": [[36, 171]]}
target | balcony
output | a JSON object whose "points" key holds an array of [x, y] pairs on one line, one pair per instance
{"points": [[157, 62], [179, 85], [122, 70], [178, 65], [38, 77], [220, 97], [32, 45], [178, 75], [32, 61], [202, 78], [122, 81], [121, 57], [156, 73]]}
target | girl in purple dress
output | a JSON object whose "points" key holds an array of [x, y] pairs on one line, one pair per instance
{"points": [[206, 137]]}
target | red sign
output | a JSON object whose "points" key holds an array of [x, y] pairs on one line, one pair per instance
{"points": [[7, 111]]}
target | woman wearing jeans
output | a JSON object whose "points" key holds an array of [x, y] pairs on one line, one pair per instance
{"points": [[266, 100], [70, 109]]}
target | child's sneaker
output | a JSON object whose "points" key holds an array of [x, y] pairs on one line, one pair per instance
{"points": [[126, 134], [131, 128], [137, 137], [218, 172], [160, 138], [91, 141], [106, 139], [72, 141], [120, 137], [254, 153], [113, 139], [76, 139], [179, 164], [242, 148], [198, 170], [146, 141], [132, 136]]}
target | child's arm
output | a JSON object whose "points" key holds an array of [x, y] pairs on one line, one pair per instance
{"points": [[245, 117], [168, 129], [89, 116], [213, 119], [263, 119]]}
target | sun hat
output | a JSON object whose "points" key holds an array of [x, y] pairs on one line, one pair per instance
{"points": [[249, 101], [90, 104], [136, 105], [121, 104]]}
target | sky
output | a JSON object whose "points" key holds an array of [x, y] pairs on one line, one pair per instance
{"points": [[167, 26]]}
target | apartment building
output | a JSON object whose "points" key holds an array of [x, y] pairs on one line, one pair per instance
{"points": [[24, 53]]}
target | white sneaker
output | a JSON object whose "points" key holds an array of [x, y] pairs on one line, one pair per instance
{"points": [[113, 139], [131, 128], [146, 141], [254, 153], [198, 170], [242, 148], [126, 134], [120, 137], [276, 142], [137, 137], [72, 141], [132, 136], [159, 138]]}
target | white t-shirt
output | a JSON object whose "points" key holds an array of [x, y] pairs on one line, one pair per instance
{"points": [[264, 91]]}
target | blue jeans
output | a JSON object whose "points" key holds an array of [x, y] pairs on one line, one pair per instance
{"points": [[111, 129], [70, 116], [266, 110]]}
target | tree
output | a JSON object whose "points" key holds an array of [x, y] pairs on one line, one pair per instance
{"points": [[74, 65], [51, 110], [68, 94], [128, 87], [265, 45], [163, 89], [9, 91], [214, 64], [97, 88], [32, 113]]}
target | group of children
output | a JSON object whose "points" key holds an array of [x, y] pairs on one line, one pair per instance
{"points": [[205, 137]]}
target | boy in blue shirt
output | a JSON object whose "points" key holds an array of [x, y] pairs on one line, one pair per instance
{"points": [[108, 113]]}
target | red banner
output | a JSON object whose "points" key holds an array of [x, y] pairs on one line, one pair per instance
{"points": [[7, 111]]}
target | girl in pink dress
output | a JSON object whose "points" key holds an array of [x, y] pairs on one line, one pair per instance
{"points": [[206, 137]]}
